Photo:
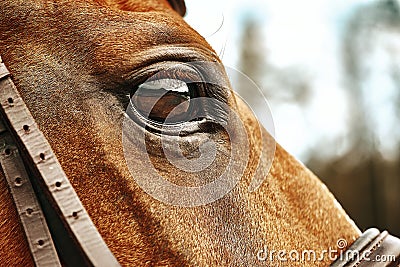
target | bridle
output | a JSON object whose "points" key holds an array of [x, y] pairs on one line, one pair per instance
{"points": [[32, 170]]}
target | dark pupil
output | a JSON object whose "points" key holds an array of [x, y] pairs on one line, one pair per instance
{"points": [[163, 101]]}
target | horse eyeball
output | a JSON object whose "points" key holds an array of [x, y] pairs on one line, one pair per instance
{"points": [[163, 100]]}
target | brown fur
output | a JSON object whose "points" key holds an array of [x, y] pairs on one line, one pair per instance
{"points": [[66, 57]]}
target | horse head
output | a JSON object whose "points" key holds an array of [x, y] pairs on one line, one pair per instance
{"points": [[91, 73]]}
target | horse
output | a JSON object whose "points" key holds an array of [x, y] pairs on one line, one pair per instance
{"points": [[75, 64]]}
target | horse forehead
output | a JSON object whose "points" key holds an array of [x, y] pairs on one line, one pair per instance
{"points": [[92, 34], [88, 29]]}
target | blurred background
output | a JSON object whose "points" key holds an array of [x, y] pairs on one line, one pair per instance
{"points": [[330, 70]]}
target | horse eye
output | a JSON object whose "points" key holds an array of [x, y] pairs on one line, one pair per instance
{"points": [[163, 100]]}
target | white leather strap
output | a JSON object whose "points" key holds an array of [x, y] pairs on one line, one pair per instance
{"points": [[38, 156]]}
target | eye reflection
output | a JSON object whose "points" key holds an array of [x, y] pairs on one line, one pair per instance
{"points": [[163, 100]]}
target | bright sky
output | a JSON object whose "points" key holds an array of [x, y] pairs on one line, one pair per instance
{"points": [[298, 33]]}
